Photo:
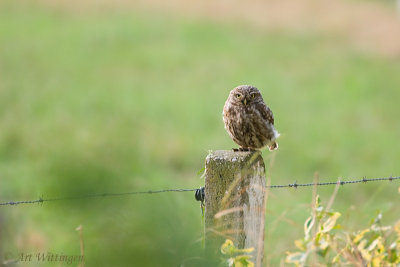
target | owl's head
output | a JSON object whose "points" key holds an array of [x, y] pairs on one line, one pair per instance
{"points": [[245, 95]]}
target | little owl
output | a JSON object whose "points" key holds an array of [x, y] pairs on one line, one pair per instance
{"points": [[248, 120]]}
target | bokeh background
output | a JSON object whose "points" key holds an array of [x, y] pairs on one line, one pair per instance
{"points": [[118, 96]]}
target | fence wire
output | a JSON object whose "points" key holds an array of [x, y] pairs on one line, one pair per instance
{"points": [[41, 200], [363, 180]]}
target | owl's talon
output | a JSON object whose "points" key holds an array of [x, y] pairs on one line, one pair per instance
{"points": [[243, 149]]}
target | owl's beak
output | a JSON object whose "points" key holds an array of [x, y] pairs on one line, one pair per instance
{"points": [[245, 101]]}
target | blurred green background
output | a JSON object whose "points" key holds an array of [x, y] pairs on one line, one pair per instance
{"points": [[98, 98]]}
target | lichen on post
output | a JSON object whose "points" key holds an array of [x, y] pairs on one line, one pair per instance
{"points": [[234, 200]]}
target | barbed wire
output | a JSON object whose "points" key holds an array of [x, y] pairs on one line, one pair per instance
{"points": [[42, 200], [200, 197], [340, 182]]}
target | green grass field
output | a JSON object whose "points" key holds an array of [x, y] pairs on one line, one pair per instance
{"points": [[120, 100]]}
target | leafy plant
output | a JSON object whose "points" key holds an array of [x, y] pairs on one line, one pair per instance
{"points": [[236, 257], [375, 245]]}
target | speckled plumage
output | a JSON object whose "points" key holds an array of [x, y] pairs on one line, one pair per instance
{"points": [[248, 120]]}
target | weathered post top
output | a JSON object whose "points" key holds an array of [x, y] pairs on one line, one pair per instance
{"points": [[234, 199]]}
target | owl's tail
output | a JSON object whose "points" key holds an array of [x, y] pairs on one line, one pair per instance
{"points": [[273, 146]]}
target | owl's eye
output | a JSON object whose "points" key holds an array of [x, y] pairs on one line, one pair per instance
{"points": [[253, 95], [238, 95]]}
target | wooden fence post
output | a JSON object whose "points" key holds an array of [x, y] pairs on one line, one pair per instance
{"points": [[234, 200]]}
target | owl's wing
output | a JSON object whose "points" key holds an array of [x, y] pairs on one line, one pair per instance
{"points": [[267, 114]]}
